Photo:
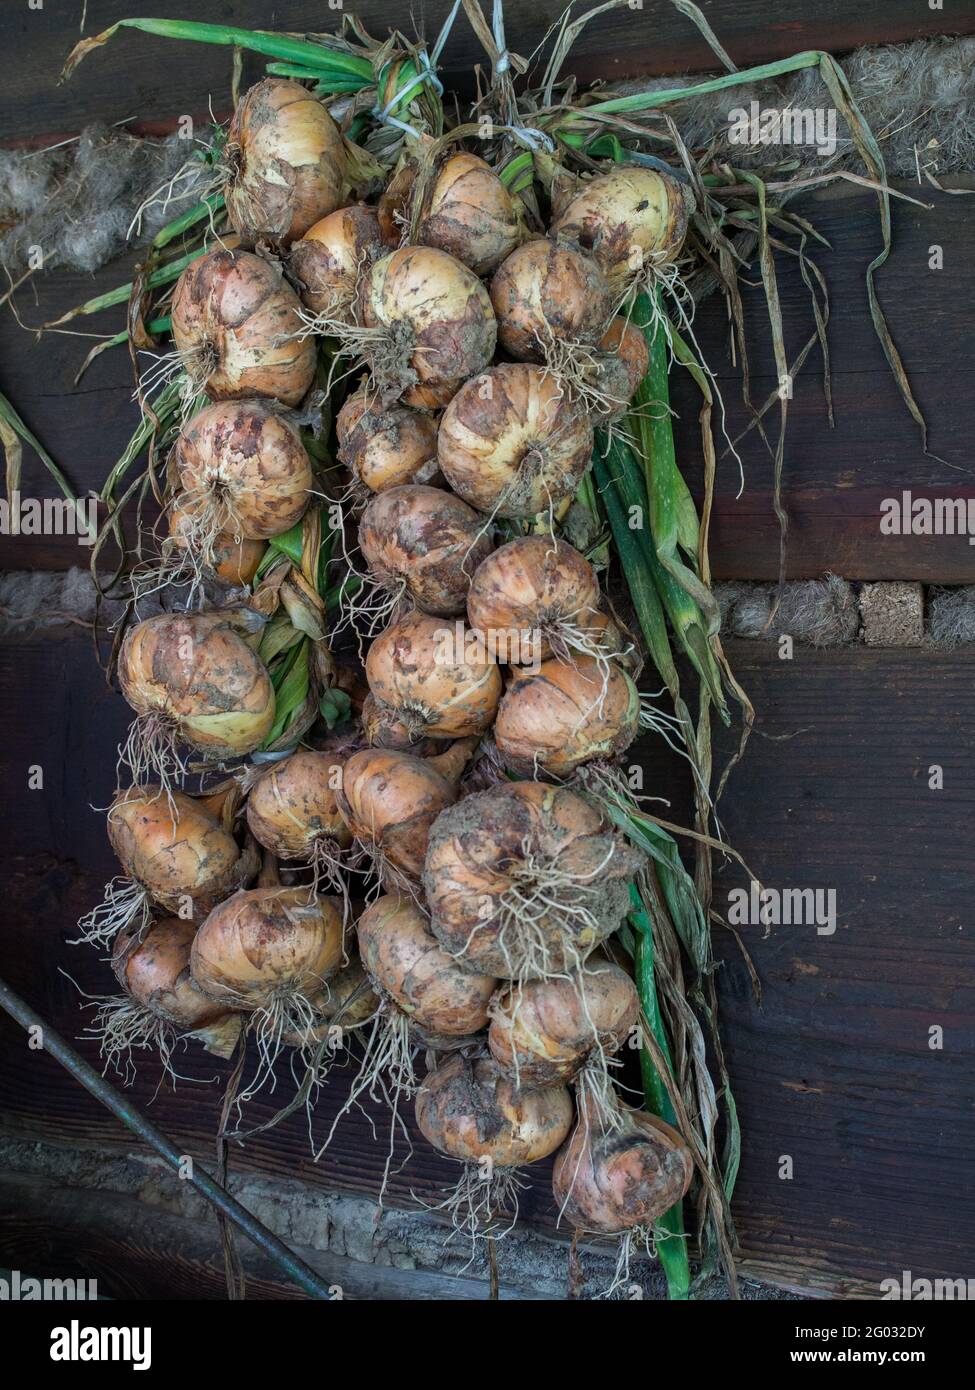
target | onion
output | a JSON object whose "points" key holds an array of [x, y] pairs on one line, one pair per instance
{"points": [[424, 542], [546, 293], [468, 1110], [512, 444], [382, 729], [351, 999], [620, 1170], [411, 967], [153, 969], [630, 220], [175, 852], [330, 257], [267, 951], [563, 715], [433, 677], [389, 800], [525, 880], [469, 213], [232, 559], [541, 585], [176, 848], [543, 1031], [429, 325], [193, 678], [159, 1002], [285, 160], [292, 811], [385, 448], [235, 325], [346, 1003], [244, 471], [614, 372]]}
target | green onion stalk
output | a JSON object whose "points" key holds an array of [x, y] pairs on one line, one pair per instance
{"points": [[294, 589]]}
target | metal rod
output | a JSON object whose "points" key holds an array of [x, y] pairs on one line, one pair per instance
{"points": [[296, 1270]]}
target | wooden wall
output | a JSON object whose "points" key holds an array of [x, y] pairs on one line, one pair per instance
{"points": [[834, 1069]]}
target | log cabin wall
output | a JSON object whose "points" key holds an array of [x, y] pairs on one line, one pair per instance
{"points": [[838, 1068]]}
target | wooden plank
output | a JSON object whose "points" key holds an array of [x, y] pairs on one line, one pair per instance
{"points": [[152, 81], [834, 1069], [834, 479]]}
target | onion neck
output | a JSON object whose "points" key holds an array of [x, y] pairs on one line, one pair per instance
{"points": [[451, 763]]}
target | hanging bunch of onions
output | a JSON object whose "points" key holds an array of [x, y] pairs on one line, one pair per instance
{"points": [[236, 325], [547, 293], [285, 161], [469, 1110], [160, 1002], [525, 880], [177, 852], [512, 444], [542, 586], [620, 1171], [428, 326], [329, 259], [544, 1031], [193, 679], [242, 471], [385, 448], [292, 810], [423, 544], [469, 213], [268, 952], [389, 800], [436, 679], [632, 221], [566, 714]]}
